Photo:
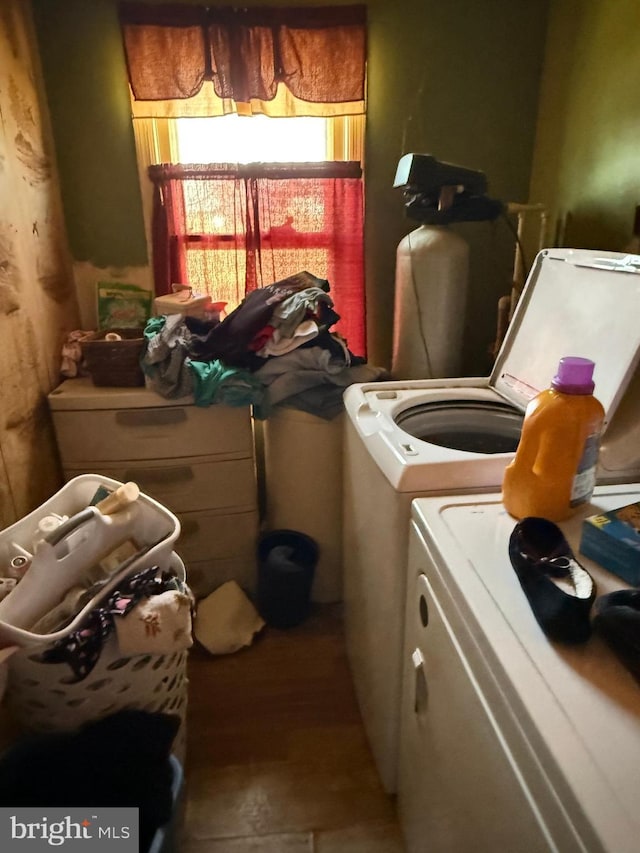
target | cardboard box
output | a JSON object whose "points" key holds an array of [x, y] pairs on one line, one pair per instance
{"points": [[122, 305], [613, 540], [181, 303]]}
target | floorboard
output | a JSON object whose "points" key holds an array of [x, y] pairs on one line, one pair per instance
{"points": [[277, 759]]}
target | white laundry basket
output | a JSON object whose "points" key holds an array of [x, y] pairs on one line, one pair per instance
{"points": [[41, 696], [44, 696]]}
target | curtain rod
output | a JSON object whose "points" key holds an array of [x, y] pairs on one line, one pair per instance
{"points": [[204, 171]]}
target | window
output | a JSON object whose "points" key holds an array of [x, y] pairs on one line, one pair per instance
{"points": [[247, 139], [215, 255], [242, 139], [225, 217], [227, 229]]}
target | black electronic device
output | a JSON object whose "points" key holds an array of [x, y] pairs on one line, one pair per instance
{"points": [[438, 193]]}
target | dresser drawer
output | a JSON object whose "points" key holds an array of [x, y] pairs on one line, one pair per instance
{"points": [[218, 547], [205, 576], [217, 535], [187, 484], [152, 433]]}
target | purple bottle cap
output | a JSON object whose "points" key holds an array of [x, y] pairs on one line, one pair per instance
{"points": [[574, 376]]}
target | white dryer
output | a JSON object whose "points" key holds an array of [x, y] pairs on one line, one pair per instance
{"points": [[426, 437], [508, 741]]}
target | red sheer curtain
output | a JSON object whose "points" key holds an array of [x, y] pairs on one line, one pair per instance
{"points": [[226, 229]]}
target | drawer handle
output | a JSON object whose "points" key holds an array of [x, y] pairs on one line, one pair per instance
{"points": [[420, 688], [189, 526], [151, 476], [150, 417]]}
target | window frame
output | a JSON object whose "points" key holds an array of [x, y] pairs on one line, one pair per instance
{"points": [[156, 141]]}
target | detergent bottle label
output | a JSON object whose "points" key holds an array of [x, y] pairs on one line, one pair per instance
{"points": [[585, 478]]}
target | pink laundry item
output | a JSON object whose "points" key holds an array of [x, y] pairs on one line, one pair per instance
{"points": [[279, 345], [71, 360], [261, 338]]}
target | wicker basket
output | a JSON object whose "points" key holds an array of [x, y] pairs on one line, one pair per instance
{"points": [[115, 362]]}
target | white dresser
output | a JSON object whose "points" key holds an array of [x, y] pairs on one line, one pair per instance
{"points": [[198, 462]]}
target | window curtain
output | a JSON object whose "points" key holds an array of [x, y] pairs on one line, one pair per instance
{"points": [[227, 229], [187, 60]]}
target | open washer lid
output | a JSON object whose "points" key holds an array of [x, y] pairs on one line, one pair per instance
{"points": [[576, 302]]}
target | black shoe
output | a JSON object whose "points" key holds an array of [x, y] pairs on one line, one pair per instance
{"points": [[560, 590], [617, 619]]}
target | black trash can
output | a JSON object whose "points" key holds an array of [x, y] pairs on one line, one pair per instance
{"points": [[286, 565]]}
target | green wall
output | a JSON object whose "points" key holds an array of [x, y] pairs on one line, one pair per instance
{"points": [[85, 81], [587, 156], [457, 79]]}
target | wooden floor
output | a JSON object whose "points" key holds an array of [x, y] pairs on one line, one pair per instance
{"points": [[277, 759]]}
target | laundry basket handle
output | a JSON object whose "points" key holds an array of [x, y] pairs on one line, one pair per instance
{"points": [[69, 526]]}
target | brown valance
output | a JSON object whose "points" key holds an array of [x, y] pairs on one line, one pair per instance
{"points": [[317, 53]]}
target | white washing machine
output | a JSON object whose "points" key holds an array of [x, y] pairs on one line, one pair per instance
{"points": [[426, 437], [508, 741]]}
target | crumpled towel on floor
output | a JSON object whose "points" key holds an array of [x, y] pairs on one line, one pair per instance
{"points": [[226, 620]]}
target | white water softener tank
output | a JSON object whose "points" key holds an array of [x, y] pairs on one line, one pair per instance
{"points": [[432, 265], [432, 272]]}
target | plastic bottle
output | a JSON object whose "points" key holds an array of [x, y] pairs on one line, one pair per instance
{"points": [[119, 499], [554, 468]]}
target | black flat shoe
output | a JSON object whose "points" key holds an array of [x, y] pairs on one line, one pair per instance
{"points": [[560, 590], [617, 619]]}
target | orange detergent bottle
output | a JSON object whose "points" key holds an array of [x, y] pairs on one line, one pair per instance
{"points": [[554, 469]]}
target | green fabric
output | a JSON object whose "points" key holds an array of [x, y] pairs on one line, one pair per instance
{"points": [[215, 382], [154, 327]]}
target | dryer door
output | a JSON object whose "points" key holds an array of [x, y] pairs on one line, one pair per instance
{"points": [[460, 784]]}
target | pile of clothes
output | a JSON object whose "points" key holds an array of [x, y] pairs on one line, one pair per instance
{"points": [[275, 348]]}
